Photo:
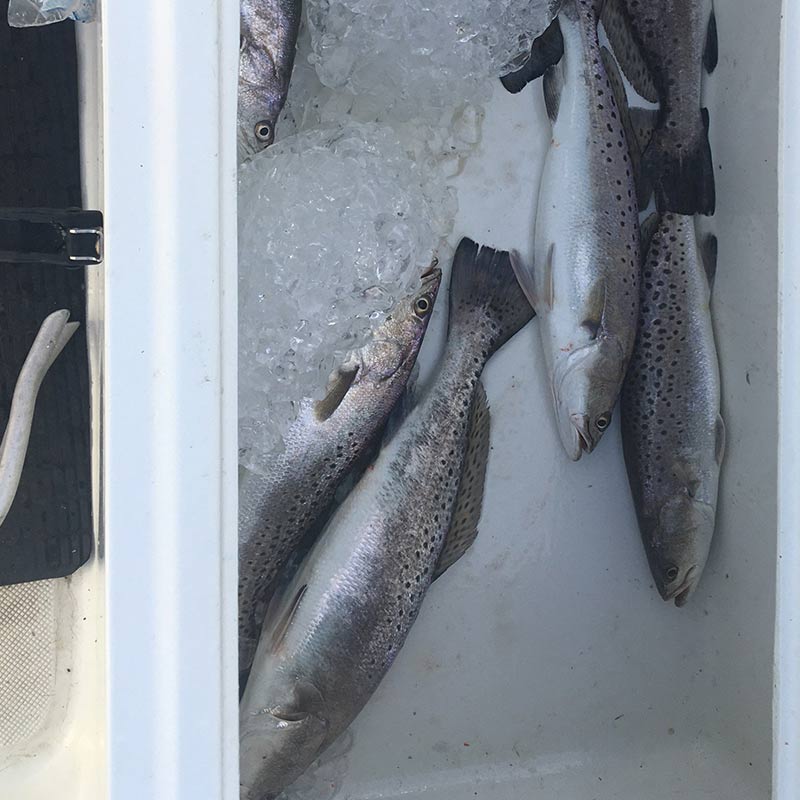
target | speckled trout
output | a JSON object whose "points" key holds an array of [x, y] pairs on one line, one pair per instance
{"points": [[584, 281], [279, 508], [267, 42], [332, 636]]}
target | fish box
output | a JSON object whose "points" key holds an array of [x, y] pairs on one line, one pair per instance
{"points": [[544, 664]]}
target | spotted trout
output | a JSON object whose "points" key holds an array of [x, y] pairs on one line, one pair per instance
{"points": [[338, 627], [673, 435], [267, 42], [278, 508], [672, 431], [584, 281]]}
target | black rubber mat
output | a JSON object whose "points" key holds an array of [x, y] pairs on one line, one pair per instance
{"points": [[48, 532]]}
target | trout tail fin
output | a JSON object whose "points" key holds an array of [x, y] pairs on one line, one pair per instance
{"points": [[485, 296]]}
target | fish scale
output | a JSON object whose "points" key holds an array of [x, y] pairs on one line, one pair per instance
{"points": [[340, 624]]}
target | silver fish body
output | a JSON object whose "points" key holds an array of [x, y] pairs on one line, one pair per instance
{"points": [[675, 40], [584, 280], [278, 508], [349, 609], [673, 434], [268, 38]]}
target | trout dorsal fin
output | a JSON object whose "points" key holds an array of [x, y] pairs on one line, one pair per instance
{"points": [[469, 499]]}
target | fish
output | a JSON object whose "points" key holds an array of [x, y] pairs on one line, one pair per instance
{"points": [[267, 43], [333, 634], [546, 50], [664, 47], [584, 281], [673, 433], [278, 509]]}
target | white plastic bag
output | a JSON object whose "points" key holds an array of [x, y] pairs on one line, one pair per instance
{"points": [[27, 13]]}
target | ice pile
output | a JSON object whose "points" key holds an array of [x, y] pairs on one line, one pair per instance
{"points": [[334, 223], [31, 13], [438, 139], [340, 215], [416, 55]]}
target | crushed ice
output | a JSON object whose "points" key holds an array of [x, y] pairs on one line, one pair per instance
{"points": [[421, 54], [334, 223], [340, 215]]}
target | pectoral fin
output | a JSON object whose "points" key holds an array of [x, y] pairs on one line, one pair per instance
{"points": [[547, 297], [711, 52], [708, 252], [279, 617], [595, 308], [338, 386], [552, 86], [720, 439]]}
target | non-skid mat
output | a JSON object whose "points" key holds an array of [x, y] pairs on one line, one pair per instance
{"points": [[48, 532]]}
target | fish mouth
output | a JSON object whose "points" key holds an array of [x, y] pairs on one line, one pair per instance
{"points": [[433, 273], [431, 279], [680, 594], [585, 441]]}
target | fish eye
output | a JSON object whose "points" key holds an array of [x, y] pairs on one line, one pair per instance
{"points": [[264, 131], [603, 422], [422, 306], [671, 573]]}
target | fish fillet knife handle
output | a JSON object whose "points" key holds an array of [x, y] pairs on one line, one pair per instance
{"points": [[53, 335], [71, 237]]}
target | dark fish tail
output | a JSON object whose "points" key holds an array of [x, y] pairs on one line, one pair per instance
{"points": [[546, 50], [683, 180], [485, 294]]}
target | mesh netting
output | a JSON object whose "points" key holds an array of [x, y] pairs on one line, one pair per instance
{"points": [[27, 659]]}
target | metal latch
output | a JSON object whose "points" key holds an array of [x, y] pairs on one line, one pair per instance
{"points": [[71, 237]]}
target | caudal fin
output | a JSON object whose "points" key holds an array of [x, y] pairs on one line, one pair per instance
{"points": [[683, 180], [485, 294], [546, 50]]}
